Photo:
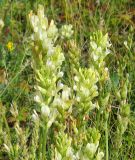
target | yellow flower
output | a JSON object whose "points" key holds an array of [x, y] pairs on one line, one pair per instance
{"points": [[10, 46]]}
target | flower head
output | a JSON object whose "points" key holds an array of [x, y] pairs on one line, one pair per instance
{"points": [[10, 46], [66, 31]]}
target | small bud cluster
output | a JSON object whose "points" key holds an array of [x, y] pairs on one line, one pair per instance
{"points": [[85, 88], [123, 115], [66, 31], [99, 49]]}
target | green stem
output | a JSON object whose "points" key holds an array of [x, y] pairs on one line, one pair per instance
{"points": [[106, 138], [40, 144], [44, 134]]}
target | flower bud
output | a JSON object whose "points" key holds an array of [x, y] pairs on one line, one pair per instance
{"points": [[37, 99], [35, 117], [66, 31], [78, 99], [93, 45], [100, 155], [66, 94], [91, 148], [52, 30], [60, 85], [75, 87], [45, 110], [76, 79], [60, 74], [69, 153]]}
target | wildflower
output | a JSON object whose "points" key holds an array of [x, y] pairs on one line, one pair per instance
{"points": [[52, 30], [40, 12], [76, 79], [58, 155], [57, 101], [85, 91], [95, 57], [60, 74], [91, 148], [93, 45], [45, 110], [66, 31], [126, 44], [60, 85], [50, 51], [75, 87], [10, 46], [52, 117], [47, 44], [107, 51], [106, 73], [50, 64], [69, 153], [99, 47], [99, 156], [66, 94], [35, 117], [34, 20], [37, 99], [78, 99]]}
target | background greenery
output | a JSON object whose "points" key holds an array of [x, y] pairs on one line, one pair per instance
{"points": [[115, 17]]}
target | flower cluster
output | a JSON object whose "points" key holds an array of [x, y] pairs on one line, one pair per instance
{"points": [[85, 87], [42, 30], [99, 49], [66, 31], [62, 100], [88, 147], [88, 151], [99, 45], [123, 115], [63, 149], [10, 46], [60, 104], [48, 58]]}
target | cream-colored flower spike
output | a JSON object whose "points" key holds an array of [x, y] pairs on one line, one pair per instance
{"points": [[99, 45], [44, 32]]}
